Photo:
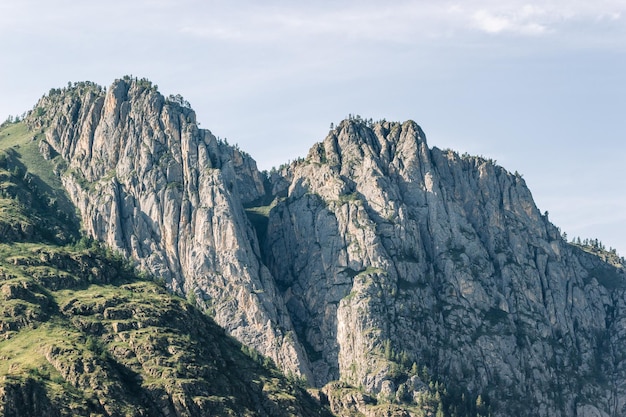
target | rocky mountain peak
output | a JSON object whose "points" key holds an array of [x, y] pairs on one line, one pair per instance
{"points": [[383, 241], [154, 186], [356, 140], [380, 262]]}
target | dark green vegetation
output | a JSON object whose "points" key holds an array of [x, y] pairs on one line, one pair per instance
{"points": [[33, 204], [81, 333]]}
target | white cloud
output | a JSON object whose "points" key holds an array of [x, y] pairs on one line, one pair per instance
{"points": [[527, 18], [490, 23], [521, 23]]}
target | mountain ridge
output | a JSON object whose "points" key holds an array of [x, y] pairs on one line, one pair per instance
{"points": [[380, 262]]}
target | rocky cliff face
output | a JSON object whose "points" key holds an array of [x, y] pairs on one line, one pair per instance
{"points": [[383, 263], [151, 184], [82, 335], [389, 253]]}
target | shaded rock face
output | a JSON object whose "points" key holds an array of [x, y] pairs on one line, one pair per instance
{"points": [[25, 398], [380, 255]]}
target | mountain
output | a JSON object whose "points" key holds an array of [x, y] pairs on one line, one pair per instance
{"points": [[82, 333], [390, 253], [397, 278]]}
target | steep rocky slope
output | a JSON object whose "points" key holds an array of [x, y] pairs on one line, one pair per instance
{"points": [[426, 282], [151, 184], [389, 253], [82, 335]]}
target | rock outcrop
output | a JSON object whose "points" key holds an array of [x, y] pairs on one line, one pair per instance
{"points": [[421, 277], [154, 186], [389, 253]]}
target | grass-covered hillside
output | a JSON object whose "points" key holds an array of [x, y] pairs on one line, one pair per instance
{"points": [[82, 334]]}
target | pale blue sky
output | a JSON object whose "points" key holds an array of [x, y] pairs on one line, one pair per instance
{"points": [[538, 86]]}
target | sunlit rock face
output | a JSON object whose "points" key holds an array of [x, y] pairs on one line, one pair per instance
{"points": [[383, 245], [151, 184]]}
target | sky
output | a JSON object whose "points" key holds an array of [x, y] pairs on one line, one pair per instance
{"points": [[538, 86]]}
